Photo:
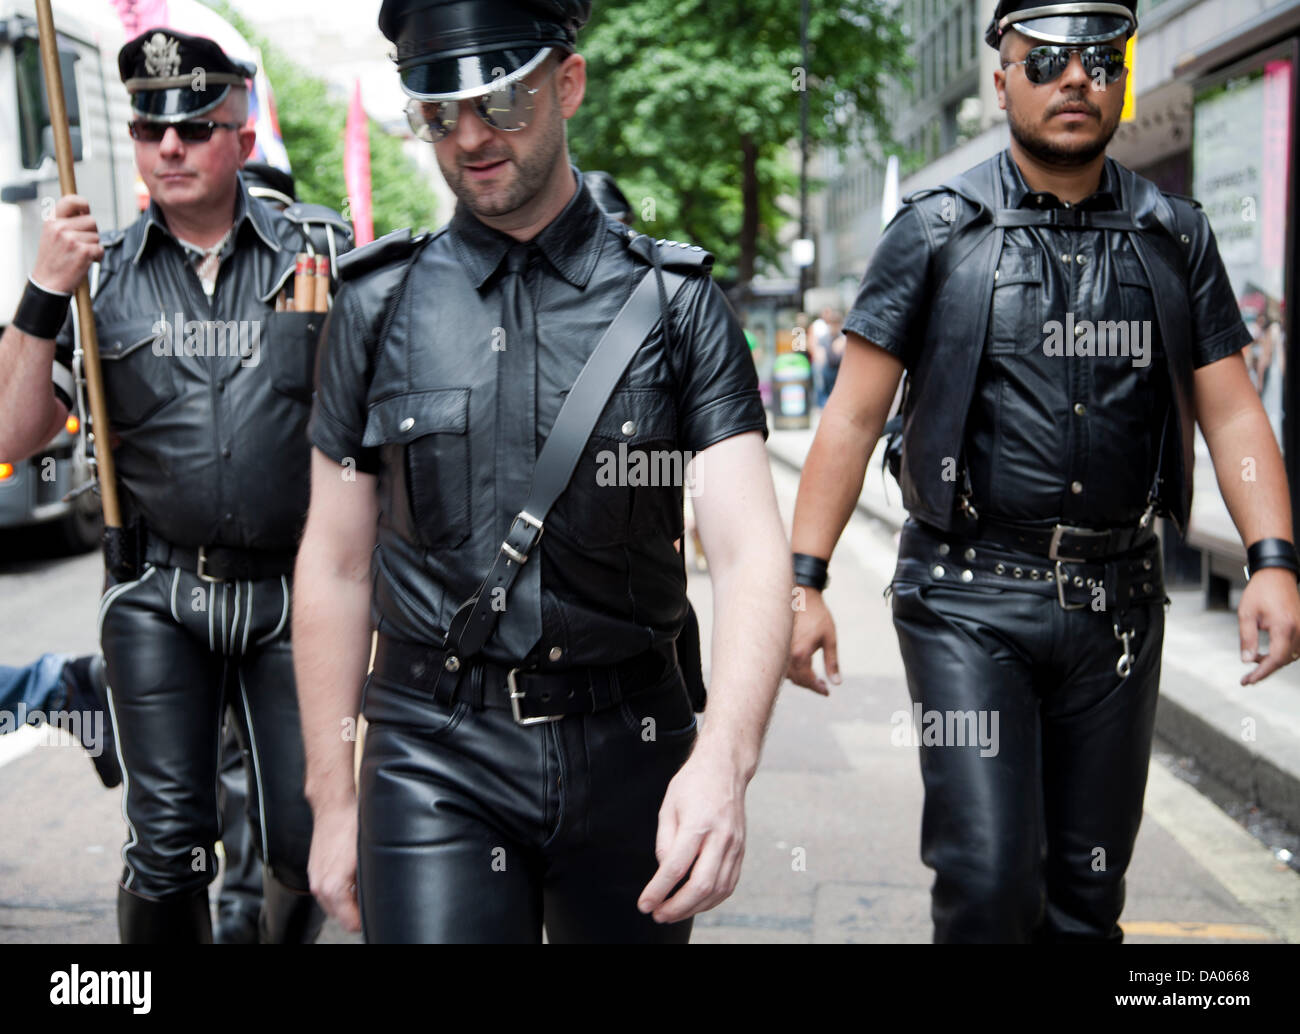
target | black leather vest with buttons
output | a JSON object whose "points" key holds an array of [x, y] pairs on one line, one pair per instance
{"points": [[943, 377]]}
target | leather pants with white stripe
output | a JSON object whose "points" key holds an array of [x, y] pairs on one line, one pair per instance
{"points": [[178, 649]]}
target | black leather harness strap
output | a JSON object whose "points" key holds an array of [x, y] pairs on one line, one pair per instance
{"points": [[473, 623]]}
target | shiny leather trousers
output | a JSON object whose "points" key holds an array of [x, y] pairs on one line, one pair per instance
{"points": [[473, 828], [177, 650], [1031, 809]]}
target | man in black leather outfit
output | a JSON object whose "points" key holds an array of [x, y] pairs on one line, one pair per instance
{"points": [[208, 394], [537, 777], [1062, 323]]}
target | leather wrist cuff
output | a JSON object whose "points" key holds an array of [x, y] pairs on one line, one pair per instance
{"points": [[1272, 553], [810, 571], [40, 312]]}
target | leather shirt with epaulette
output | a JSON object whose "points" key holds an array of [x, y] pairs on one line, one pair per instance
{"points": [[411, 389], [209, 397]]}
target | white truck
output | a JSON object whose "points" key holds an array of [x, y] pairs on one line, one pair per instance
{"points": [[34, 491]]}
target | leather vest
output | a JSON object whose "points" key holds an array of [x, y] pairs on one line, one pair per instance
{"points": [[942, 381]]}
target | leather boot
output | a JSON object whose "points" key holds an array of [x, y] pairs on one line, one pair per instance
{"points": [[181, 919], [288, 916]]}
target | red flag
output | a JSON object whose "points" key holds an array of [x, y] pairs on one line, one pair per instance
{"points": [[356, 169]]}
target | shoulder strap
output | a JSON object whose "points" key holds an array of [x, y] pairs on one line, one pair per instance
{"points": [[474, 621]]}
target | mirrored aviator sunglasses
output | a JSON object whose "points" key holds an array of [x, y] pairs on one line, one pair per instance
{"points": [[1046, 63], [509, 109], [191, 132]]}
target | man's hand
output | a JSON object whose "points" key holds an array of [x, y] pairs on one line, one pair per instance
{"points": [[1269, 602], [701, 831], [332, 863], [69, 245], [814, 629]]}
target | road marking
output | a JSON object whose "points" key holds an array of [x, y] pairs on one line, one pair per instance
{"points": [[1196, 931], [1244, 866]]}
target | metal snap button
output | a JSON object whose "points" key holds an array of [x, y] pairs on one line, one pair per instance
{"points": [[1081, 259], [629, 428], [943, 549], [1146, 586], [406, 424], [1080, 409], [1000, 568], [1033, 574], [1146, 564], [1090, 581], [937, 570], [969, 554], [967, 575], [997, 273], [1078, 329], [1078, 581], [555, 653], [1076, 487], [452, 663], [1017, 572], [1065, 257]]}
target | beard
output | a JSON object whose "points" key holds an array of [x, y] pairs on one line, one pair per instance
{"points": [[1065, 155], [522, 181]]}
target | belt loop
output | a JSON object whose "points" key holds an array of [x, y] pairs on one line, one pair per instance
{"points": [[475, 689], [444, 687]]}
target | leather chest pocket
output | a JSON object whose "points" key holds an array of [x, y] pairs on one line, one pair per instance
{"points": [[137, 380], [1015, 323], [430, 431], [289, 347], [1134, 288], [623, 482]]}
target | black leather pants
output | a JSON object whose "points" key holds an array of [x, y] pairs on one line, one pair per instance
{"points": [[475, 829], [1034, 749], [177, 650]]}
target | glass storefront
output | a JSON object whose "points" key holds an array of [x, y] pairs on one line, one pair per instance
{"points": [[1241, 174]]}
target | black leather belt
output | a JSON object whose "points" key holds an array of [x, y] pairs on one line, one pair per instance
{"points": [[927, 555], [1061, 541], [531, 696], [219, 563]]}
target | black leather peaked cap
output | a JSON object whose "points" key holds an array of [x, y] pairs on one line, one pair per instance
{"points": [[1080, 21], [172, 76], [452, 49]]}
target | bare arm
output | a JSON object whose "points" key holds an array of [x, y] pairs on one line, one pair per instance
{"points": [[702, 820], [32, 413], [331, 636], [1252, 478], [830, 485]]}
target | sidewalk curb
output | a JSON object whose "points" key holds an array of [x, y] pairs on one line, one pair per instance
{"points": [[1231, 760]]}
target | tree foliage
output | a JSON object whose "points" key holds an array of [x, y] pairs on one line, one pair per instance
{"points": [[693, 106]]}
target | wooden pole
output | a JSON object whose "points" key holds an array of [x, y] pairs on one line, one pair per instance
{"points": [[85, 312]]}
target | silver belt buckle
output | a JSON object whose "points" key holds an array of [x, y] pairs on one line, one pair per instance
{"points": [[202, 571], [517, 695], [1060, 590], [509, 550]]}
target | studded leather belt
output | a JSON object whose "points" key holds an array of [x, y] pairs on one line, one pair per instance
{"points": [[927, 555]]}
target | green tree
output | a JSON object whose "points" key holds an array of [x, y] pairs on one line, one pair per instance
{"points": [[693, 105], [312, 126]]}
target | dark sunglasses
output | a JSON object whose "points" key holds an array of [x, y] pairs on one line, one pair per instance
{"points": [[508, 109], [190, 132], [1043, 64]]}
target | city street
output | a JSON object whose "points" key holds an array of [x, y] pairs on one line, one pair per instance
{"points": [[834, 812]]}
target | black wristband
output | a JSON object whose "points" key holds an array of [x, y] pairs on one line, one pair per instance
{"points": [[1272, 553], [810, 571], [40, 312]]}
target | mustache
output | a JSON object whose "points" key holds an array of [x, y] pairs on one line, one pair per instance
{"points": [[1073, 103]]}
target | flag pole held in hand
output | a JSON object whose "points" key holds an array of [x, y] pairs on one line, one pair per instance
{"points": [[114, 540]]}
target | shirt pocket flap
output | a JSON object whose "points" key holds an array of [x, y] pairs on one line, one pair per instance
{"points": [[1128, 270], [118, 340], [403, 418], [635, 415], [1019, 266]]}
